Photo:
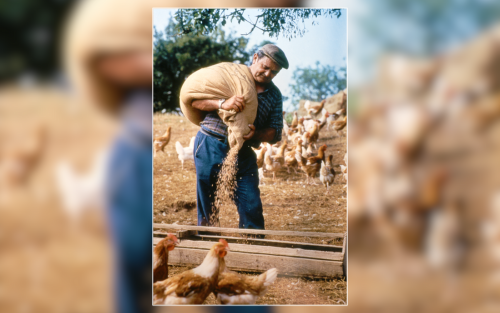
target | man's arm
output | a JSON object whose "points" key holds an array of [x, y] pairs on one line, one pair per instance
{"points": [[263, 135], [236, 103], [206, 104]]}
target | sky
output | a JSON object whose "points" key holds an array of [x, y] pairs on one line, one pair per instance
{"points": [[325, 42]]}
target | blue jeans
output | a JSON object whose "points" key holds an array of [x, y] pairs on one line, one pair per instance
{"points": [[209, 153], [129, 202]]}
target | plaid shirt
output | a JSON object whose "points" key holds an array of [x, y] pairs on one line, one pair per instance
{"points": [[269, 114]]}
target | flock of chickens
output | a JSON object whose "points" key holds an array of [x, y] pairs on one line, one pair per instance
{"points": [[212, 275], [295, 150]]}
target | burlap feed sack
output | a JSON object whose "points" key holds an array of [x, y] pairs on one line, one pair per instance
{"points": [[222, 81], [105, 27]]}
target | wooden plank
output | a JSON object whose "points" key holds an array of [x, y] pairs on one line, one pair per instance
{"points": [[250, 231], [344, 252], [184, 234], [264, 250], [238, 261], [267, 242]]}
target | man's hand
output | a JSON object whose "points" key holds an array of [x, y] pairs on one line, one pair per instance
{"points": [[265, 134], [251, 133], [236, 103]]}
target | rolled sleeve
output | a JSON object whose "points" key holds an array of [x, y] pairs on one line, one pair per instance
{"points": [[270, 111]]}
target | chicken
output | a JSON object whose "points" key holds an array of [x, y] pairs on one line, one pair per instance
{"points": [[343, 169], [18, 162], [261, 175], [185, 153], [308, 124], [160, 257], [260, 157], [286, 129], [80, 191], [313, 138], [304, 139], [304, 153], [270, 164], [295, 120], [293, 136], [195, 285], [339, 125], [290, 160], [309, 152], [327, 174], [323, 120], [314, 108], [320, 157], [159, 143], [280, 155], [329, 161], [334, 117], [235, 288], [300, 126], [443, 244], [311, 165]]}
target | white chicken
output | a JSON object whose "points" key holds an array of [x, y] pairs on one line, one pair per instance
{"points": [[185, 153], [82, 191], [309, 124], [261, 176]]}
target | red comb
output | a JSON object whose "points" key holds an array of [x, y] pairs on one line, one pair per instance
{"points": [[223, 241]]}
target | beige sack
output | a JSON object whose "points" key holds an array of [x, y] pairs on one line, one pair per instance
{"points": [[222, 81], [105, 27]]}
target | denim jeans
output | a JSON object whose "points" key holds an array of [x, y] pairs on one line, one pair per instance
{"points": [[209, 153], [129, 186]]}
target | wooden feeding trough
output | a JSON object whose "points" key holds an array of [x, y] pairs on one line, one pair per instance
{"points": [[258, 255]]}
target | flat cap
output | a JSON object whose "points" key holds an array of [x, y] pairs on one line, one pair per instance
{"points": [[275, 54]]}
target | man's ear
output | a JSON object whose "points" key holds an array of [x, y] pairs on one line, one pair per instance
{"points": [[255, 57]]}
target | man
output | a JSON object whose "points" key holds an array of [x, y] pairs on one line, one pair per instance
{"points": [[211, 146], [108, 58]]}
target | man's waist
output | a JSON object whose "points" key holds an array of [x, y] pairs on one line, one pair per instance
{"points": [[209, 132]]}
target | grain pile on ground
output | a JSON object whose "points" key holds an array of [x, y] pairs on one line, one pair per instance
{"points": [[288, 204]]}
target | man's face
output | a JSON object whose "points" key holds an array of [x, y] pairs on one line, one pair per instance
{"points": [[264, 69]]}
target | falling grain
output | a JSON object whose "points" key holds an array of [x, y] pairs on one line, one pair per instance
{"points": [[226, 185]]}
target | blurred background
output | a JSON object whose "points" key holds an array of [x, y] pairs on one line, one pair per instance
{"points": [[424, 190]]}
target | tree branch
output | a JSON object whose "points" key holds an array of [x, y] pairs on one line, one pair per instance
{"points": [[254, 25]]}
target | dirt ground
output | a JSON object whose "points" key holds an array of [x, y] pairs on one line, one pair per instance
{"points": [[293, 205]]}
